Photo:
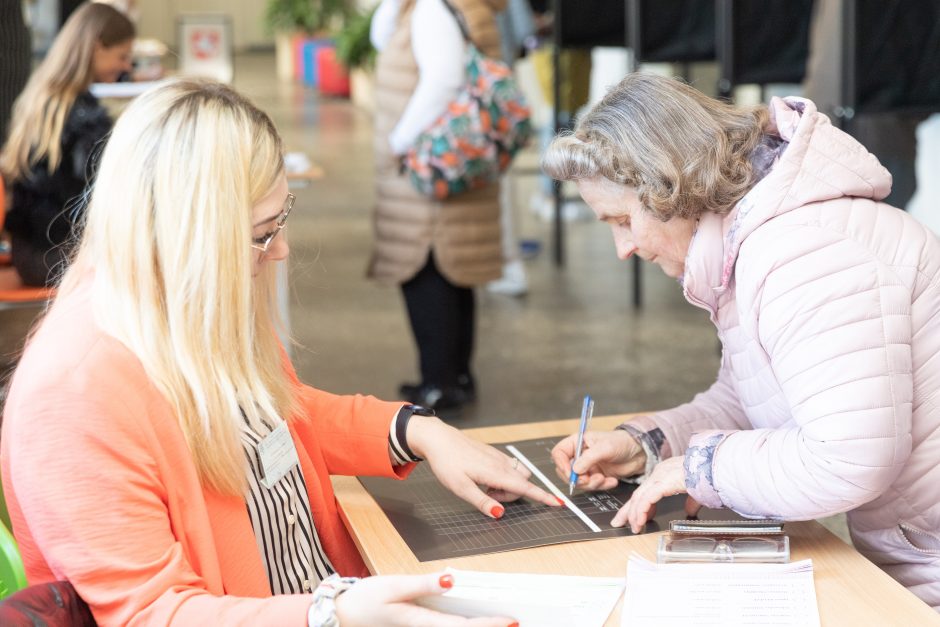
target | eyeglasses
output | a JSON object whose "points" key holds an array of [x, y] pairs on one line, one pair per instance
{"points": [[264, 242], [703, 549]]}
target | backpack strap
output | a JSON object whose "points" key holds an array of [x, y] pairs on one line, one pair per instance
{"points": [[461, 22]]}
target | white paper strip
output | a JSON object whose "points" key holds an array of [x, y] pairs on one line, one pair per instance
{"points": [[551, 488]]}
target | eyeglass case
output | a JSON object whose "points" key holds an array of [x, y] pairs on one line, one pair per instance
{"points": [[735, 541]]}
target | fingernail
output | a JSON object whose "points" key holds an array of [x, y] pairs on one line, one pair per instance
{"points": [[446, 581], [560, 502], [513, 625], [497, 511]]}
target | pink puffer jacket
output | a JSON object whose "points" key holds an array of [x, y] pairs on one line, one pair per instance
{"points": [[827, 303]]}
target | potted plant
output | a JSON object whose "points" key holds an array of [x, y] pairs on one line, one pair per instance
{"points": [[295, 22], [354, 49]]}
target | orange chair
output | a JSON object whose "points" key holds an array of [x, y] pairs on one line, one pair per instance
{"points": [[13, 294], [6, 258]]}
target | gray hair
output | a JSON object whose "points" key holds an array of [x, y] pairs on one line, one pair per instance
{"points": [[685, 153]]}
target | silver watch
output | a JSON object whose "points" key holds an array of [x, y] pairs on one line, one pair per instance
{"points": [[323, 611]]}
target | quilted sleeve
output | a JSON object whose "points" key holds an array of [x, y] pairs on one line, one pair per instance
{"points": [[835, 324], [715, 408]]}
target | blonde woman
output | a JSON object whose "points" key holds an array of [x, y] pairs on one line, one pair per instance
{"points": [[825, 300], [158, 451], [56, 126]]}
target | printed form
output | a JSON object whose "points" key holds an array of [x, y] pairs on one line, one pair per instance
{"points": [[531, 600], [719, 595]]}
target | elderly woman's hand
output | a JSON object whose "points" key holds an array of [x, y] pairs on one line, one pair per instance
{"points": [[667, 479], [462, 465], [606, 457]]}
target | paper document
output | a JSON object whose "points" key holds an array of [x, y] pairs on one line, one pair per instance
{"points": [[720, 595], [532, 600]]}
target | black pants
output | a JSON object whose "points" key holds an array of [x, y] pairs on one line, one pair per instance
{"points": [[442, 320]]}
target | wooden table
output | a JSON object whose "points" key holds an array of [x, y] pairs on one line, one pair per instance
{"points": [[850, 589]]}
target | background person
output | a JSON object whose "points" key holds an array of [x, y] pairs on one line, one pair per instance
{"points": [[138, 455], [436, 251], [56, 126], [516, 26], [825, 300]]}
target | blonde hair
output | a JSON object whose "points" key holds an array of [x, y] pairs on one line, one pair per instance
{"points": [[40, 112], [168, 240], [685, 153]]}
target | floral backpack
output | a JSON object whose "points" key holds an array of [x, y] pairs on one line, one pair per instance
{"points": [[474, 141]]}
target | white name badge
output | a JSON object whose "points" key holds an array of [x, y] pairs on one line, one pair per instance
{"points": [[278, 455]]}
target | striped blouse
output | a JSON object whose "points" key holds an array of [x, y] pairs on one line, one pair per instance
{"points": [[287, 538]]}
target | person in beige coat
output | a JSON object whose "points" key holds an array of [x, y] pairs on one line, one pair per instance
{"points": [[436, 251]]}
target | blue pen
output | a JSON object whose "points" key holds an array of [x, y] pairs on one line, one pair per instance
{"points": [[587, 410]]}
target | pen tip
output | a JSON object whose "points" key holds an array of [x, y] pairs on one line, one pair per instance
{"points": [[570, 490]]}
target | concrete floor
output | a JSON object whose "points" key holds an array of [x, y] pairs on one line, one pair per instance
{"points": [[576, 332]]}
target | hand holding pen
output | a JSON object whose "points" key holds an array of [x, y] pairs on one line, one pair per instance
{"points": [[600, 460], [587, 410]]}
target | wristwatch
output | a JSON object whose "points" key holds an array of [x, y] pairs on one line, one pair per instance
{"points": [[401, 427], [322, 612]]}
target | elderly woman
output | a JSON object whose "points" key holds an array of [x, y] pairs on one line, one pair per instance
{"points": [[825, 301]]}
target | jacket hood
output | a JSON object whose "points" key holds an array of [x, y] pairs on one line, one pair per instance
{"points": [[820, 162]]}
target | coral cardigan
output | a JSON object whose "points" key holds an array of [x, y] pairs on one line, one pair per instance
{"points": [[103, 492]]}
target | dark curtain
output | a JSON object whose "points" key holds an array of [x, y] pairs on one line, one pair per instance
{"points": [[677, 31], [588, 23], [770, 41], [15, 47], [897, 51]]}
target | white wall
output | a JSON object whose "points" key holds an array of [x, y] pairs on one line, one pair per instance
{"points": [[158, 19]]}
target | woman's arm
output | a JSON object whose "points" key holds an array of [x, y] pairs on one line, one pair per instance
{"points": [[383, 23], [441, 55], [354, 432], [667, 433], [611, 456], [835, 325]]}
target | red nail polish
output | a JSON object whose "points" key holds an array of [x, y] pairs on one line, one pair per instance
{"points": [[497, 511], [446, 581], [513, 625], [560, 502]]}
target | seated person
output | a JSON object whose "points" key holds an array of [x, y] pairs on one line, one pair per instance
{"points": [[165, 460], [56, 126]]}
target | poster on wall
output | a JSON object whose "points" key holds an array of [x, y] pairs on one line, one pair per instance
{"points": [[205, 45]]}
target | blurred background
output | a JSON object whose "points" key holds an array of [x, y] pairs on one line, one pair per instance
{"points": [[578, 321]]}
